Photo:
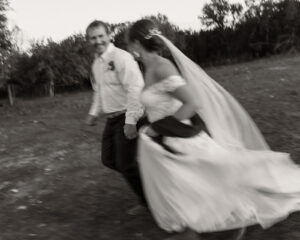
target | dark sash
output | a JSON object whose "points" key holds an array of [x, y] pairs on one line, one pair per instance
{"points": [[171, 127]]}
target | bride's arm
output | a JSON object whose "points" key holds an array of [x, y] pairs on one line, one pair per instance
{"points": [[186, 111], [188, 108]]}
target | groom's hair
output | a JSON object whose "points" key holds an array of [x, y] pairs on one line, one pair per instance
{"points": [[97, 23]]}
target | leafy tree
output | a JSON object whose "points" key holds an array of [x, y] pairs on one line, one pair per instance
{"points": [[287, 23], [4, 33], [119, 32], [67, 64], [220, 14], [5, 43], [266, 27]]}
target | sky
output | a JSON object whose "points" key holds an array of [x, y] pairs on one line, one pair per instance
{"points": [[58, 19]]}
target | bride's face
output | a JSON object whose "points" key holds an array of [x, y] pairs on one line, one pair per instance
{"points": [[134, 48]]}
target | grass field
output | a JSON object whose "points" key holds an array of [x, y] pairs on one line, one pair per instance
{"points": [[53, 186]]}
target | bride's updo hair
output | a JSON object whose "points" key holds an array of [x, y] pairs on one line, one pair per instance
{"points": [[142, 31]]}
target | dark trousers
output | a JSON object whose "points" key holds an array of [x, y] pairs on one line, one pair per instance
{"points": [[120, 153]]}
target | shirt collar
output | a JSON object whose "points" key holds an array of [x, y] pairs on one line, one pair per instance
{"points": [[105, 55]]}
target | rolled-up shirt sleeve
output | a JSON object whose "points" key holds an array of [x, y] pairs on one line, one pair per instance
{"points": [[96, 107], [132, 80]]}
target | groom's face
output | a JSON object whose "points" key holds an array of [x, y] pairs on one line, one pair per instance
{"points": [[99, 39]]}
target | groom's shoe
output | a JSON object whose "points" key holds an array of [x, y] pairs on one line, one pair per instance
{"points": [[137, 210]]}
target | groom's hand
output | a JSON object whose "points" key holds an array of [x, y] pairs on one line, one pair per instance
{"points": [[150, 132], [130, 131]]}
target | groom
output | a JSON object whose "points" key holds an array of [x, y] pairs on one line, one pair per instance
{"points": [[117, 82]]}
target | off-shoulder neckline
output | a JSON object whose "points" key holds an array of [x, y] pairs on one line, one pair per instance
{"points": [[161, 81]]}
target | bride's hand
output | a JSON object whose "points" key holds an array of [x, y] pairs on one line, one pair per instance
{"points": [[150, 132]]}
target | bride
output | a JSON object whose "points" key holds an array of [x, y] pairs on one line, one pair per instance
{"points": [[204, 163]]}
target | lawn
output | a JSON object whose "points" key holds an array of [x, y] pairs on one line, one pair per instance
{"points": [[54, 187]]}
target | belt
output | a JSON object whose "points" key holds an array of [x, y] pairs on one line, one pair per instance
{"points": [[115, 114]]}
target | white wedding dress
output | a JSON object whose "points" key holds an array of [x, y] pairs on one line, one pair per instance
{"points": [[209, 187]]}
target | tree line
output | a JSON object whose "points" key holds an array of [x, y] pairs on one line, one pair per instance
{"points": [[230, 32]]}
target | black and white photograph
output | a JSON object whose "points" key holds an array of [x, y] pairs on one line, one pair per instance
{"points": [[150, 120]]}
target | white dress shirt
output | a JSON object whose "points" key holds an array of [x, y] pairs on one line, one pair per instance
{"points": [[117, 83]]}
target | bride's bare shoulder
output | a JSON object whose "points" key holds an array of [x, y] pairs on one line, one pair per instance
{"points": [[164, 69]]}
